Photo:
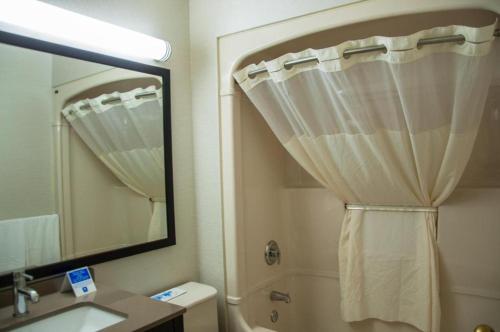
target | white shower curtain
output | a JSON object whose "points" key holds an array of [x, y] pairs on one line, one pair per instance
{"points": [[127, 136], [394, 128]]}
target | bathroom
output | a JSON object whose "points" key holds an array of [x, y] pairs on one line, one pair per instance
{"points": [[233, 187]]}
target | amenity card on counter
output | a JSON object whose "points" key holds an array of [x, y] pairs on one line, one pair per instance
{"points": [[80, 280], [167, 295]]}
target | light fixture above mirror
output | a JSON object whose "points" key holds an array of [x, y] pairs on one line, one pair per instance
{"points": [[44, 21]]}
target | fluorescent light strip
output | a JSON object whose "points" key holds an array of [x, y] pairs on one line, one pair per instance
{"points": [[77, 29]]}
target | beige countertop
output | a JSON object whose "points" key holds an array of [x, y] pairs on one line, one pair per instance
{"points": [[140, 311]]}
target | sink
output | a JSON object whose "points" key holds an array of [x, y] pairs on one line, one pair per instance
{"points": [[86, 318]]}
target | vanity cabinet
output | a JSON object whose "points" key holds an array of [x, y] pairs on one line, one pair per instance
{"points": [[138, 312], [174, 325]]}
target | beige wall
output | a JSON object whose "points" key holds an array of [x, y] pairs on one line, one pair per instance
{"points": [[166, 267], [26, 148], [65, 70]]}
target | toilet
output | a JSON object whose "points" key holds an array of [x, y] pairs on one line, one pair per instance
{"points": [[201, 305]]}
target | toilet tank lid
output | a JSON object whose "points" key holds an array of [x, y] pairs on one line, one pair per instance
{"points": [[196, 293]]}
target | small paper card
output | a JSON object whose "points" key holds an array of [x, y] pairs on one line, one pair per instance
{"points": [[168, 295], [81, 281]]}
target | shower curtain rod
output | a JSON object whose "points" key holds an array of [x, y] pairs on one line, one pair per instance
{"points": [[391, 208], [86, 105], [350, 51], [137, 96]]}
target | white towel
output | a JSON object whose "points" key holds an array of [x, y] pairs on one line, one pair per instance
{"points": [[42, 240], [12, 245], [27, 242]]}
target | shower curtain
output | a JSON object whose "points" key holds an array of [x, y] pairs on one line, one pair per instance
{"points": [[383, 129], [127, 136]]}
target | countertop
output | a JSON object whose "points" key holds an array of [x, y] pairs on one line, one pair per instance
{"points": [[141, 312]]}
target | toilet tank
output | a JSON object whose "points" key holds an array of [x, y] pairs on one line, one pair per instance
{"points": [[201, 305]]}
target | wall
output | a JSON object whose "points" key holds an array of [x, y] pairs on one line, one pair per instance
{"points": [[208, 21], [65, 70], [168, 20], [25, 134]]}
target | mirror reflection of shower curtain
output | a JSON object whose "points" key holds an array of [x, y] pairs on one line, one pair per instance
{"points": [[396, 129], [127, 136]]}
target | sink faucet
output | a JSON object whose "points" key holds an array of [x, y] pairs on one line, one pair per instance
{"points": [[21, 293], [279, 296]]}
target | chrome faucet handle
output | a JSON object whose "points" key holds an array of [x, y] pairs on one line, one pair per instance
{"points": [[24, 275], [27, 276], [21, 276]]}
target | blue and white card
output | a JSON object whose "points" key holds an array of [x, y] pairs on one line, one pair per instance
{"points": [[81, 281], [168, 295]]}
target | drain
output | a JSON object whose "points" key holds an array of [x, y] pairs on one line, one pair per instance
{"points": [[274, 316]]}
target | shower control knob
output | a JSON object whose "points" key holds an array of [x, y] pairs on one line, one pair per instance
{"points": [[272, 253]]}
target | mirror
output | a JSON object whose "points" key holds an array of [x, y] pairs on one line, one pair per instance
{"points": [[85, 155]]}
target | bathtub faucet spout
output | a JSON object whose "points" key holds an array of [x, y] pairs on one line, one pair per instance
{"points": [[279, 296]]}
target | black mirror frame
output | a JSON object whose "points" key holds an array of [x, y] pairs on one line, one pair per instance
{"points": [[71, 52]]}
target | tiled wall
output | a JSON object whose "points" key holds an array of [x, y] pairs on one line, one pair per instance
{"points": [[469, 226]]}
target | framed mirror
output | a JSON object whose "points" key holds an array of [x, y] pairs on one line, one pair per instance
{"points": [[85, 158]]}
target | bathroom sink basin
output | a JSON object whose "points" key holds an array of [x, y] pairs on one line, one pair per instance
{"points": [[80, 319]]}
